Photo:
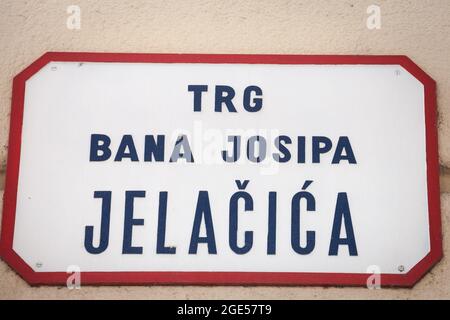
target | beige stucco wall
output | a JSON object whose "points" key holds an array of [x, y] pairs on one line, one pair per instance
{"points": [[417, 28]]}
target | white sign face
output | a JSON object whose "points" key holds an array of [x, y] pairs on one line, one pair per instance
{"points": [[224, 172]]}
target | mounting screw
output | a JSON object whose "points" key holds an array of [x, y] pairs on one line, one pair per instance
{"points": [[401, 268], [38, 264], [54, 68], [397, 72]]}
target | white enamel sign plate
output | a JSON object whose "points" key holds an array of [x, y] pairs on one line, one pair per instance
{"points": [[138, 169]]}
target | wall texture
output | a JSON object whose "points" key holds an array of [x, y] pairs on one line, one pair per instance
{"points": [[417, 28]]}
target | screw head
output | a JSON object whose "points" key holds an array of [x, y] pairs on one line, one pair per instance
{"points": [[38, 264], [397, 72], [401, 268]]}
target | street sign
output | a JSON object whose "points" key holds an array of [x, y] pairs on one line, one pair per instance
{"points": [[222, 169]]}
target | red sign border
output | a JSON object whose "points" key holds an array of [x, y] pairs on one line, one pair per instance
{"points": [[220, 278]]}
